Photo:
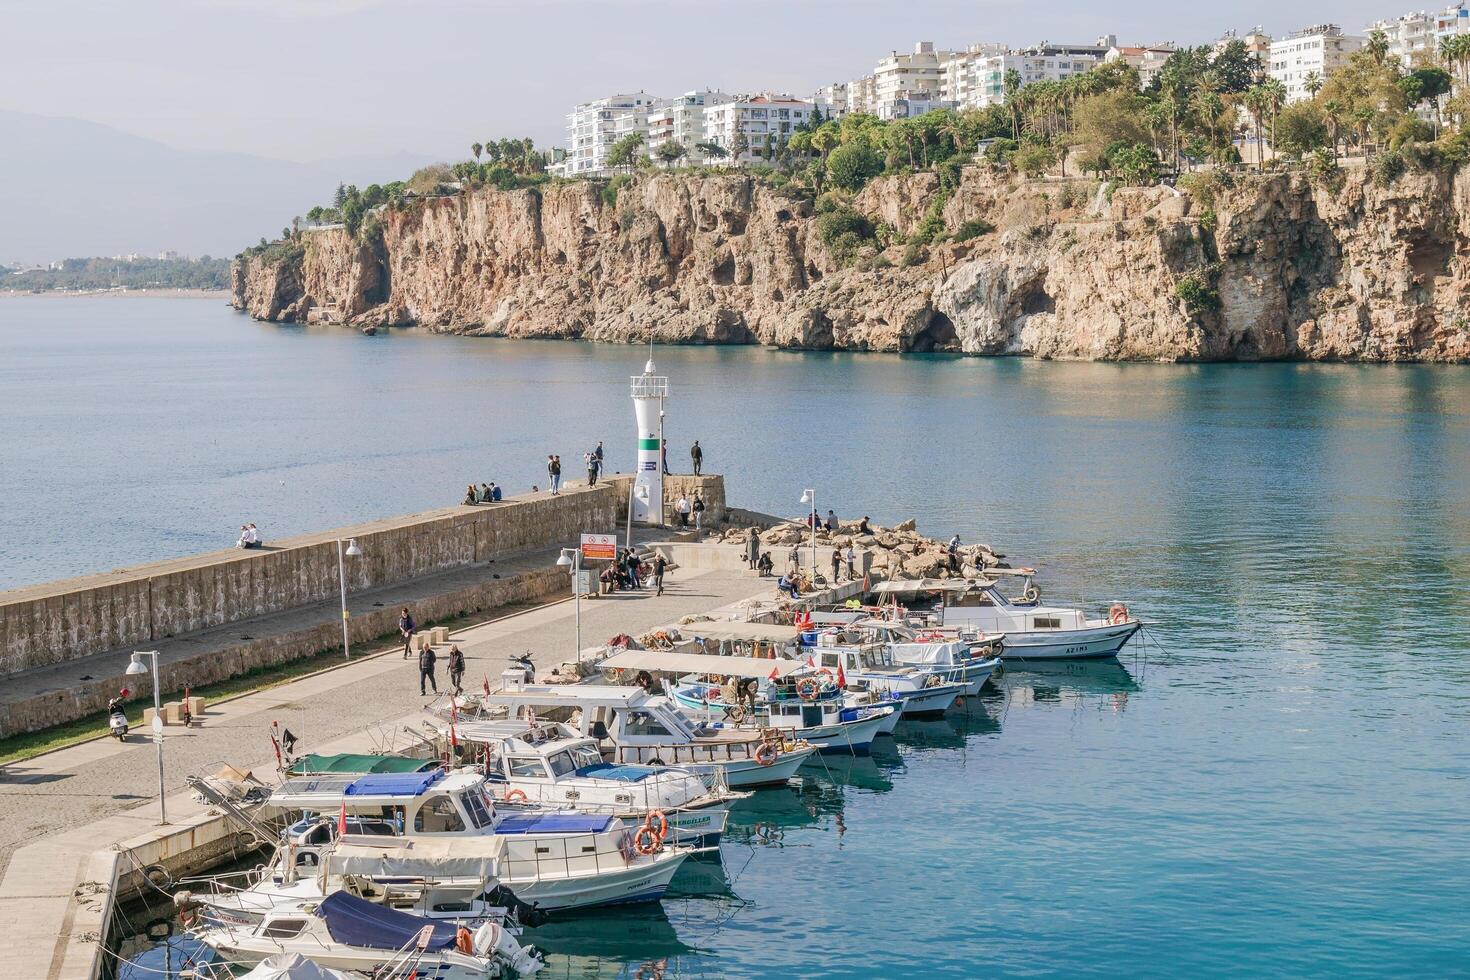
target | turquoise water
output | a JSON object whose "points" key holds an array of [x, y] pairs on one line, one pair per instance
{"points": [[1280, 787]]}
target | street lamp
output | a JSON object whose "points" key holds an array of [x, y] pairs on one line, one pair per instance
{"points": [[809, 496], [353, 551], [571, 559], [137, 666]]}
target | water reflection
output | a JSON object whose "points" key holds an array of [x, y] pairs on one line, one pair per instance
{"points": [[612, 936], [954, 729], [1056, 680]]}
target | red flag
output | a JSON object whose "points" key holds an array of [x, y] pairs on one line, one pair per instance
{"points": [[487, 685], [841, 677], [342, 820], [809, 661], [774, 674], [453, 717]]}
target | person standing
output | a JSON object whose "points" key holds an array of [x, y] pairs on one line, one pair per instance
{"points": [[683, 507], [696, 456], [598, 453], [456, 668], [954, 554], [659, 564], [752, 547], [406, 629], [426, 669], [851, 557], [836, 565], [793, 559], [591, 461], [664, 453], [553, 472], [698, 506]]}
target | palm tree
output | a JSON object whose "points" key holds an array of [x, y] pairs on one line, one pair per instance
{"points": [[1312, 83], [1255, 100], [1012, 90], [475, 148], [1275, 98]]}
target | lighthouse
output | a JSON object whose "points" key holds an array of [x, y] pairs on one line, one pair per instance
{"points": [[646, 505]]}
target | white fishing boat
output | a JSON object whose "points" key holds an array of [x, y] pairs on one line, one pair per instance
{"points": [[344, 932], [1032, 631], [951, 656], [757, 693], [634, 727], [556, 861], [549, 765]]}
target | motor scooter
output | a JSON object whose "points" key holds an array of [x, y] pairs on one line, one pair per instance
{"points": [[117, 719]]}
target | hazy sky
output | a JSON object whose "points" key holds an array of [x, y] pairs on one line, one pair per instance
{"points": [[305, 79]]}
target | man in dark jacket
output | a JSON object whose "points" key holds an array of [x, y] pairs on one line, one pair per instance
{"points": [[696, 456], [659, 564], [406, 629], [426, 669], [456, 668]]}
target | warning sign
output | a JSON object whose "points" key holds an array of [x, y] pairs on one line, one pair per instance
{"points": [[599, 547]]}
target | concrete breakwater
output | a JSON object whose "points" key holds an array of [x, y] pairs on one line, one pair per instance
{"points": [[64, 645]]}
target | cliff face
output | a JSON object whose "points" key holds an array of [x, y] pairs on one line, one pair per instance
{"points": [[1286, 269]]}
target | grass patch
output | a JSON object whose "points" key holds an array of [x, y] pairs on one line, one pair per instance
{"points": [[28, 745]]}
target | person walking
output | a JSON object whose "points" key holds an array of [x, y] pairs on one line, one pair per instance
{"points": [[553, 472], [698, 506], [426, 669], [591, 462], [851, 558], [836, 565], [683, 508], [793, 559], [696, 456], [752, 547], [659, 565], [598, 453], [406, 628], [456, 668]]}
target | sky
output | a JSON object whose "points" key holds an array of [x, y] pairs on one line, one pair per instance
{"points": [[306, 80]]}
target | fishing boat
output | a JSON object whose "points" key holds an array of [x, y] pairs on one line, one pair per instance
{"points": [[1032, 631], [344, 932], [632, 726], [953, 657], [781, 694], [546, 764], [557, 861]]}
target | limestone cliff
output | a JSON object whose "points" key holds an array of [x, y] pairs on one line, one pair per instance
{"points": [[1281, 268]]}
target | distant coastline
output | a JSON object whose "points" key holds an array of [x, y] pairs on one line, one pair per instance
{"points": [[126, 293]]}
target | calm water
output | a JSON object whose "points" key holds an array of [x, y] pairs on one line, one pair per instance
{"points": [[1280, 788]]}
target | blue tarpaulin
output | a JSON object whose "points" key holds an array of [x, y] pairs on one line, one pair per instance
{"points": [[355, 922], [393, 783], [606, 770], [554, 823]]}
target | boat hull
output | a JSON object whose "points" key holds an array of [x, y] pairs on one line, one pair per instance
{"points": [[237, 946], [1085, 644], [640, 882], [931, 702]]}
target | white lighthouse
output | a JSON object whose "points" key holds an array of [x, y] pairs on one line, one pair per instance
{"points": [[649, 392]]}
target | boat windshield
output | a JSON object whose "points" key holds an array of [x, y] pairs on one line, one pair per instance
{"points": [[570, 760]]}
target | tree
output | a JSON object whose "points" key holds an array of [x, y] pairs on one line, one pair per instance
{"points": [[1101, 120], [740, 145], [1312, 83], [713, 151], [669, 152], [1300, 128], [852, 165], [624, 152], [826, 139], [1012, 90], [475, 148], [1256, 100], [1235, 68], [1033, 159]]}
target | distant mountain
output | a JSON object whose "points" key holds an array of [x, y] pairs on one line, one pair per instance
{"points": [[71, 187]]}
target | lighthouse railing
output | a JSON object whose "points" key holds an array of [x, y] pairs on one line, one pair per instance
{"points": [[650, 386]]}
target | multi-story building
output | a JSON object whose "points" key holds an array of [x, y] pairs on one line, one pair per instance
{"points": [[962, 73], [1146, 60], [901, 80], [1411, 37], [1452, 21], [1310, 55], [831, 100], [593, 128], [681, 120], [1033, 65], [754, 121], [862, 95]]}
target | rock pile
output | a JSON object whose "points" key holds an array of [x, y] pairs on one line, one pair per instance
{"points": [[899, 552]]}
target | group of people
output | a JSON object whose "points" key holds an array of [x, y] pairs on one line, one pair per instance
{"points": [[627, 572], [428, 658], [593, 459], [250, 537], [486, 494], [685, 509]]}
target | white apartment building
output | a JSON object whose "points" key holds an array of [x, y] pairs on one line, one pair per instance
{"points": [[1257, 43], [593, 128], [862, 95], [681, 120], [989, 85], [962, 73], [832, 100], [1146, 60], [1317, 51], [1452, 21], [1415, 37], [902, 82], [757, 118]]}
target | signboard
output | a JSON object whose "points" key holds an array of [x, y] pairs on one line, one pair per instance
{"points": [[583, 585], [599, 547]]}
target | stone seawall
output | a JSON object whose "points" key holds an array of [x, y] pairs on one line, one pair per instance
{"points": [[63, 621]]}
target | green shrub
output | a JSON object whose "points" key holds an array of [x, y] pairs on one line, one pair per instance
{"points": [[914, 254], [1208, 219], [1322, 169], [973, 228], [1198, 295], [852, 165], [610, 192], [1388, 167]]}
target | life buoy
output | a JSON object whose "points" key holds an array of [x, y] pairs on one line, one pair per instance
{"points": [[767, 754], [735, 713], [647, 841], [658, 822], [808, 688], [187, 918], [1118, 614], [464, 942], [516, 796]]}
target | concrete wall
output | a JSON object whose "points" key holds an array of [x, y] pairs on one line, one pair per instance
{"points": [[711, 488], [62, 621]]}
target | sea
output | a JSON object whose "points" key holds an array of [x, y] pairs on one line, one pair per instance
{"points": [[1271, 781]]}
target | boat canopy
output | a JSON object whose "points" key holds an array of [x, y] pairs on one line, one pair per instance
{"points": [[415, 857], [377, 788], [918, 585], [766, 632], [699, 663], [572, 695], [291, 966], [353, 921], [555, 823], [394, 783], [356, 763]]}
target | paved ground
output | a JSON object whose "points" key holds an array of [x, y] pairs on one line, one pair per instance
{"points": [[75, 786]]}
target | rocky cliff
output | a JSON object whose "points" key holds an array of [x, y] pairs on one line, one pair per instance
{"points": [[1249, 267]]}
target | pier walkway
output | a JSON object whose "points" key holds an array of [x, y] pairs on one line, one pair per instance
{"points": [[60, 810]]}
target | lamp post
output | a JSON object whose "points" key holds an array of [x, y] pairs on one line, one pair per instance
{"points": [[353, 551], [135, 667], [571, 558], [810, 496]]}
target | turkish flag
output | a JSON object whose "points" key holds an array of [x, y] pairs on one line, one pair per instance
{"points": [[487, 685], [841, 678], [342, 820], [773, 675]]}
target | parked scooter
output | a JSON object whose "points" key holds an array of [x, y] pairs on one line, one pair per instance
{"points": [[117, 719], [523, 661]]}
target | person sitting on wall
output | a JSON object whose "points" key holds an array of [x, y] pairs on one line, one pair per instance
{"points": [[495, 493], [764, 564], [470, 496], [249, 537], [790, 585]]}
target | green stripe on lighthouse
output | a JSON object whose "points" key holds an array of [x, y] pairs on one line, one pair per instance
{"points": [[647, 443]]}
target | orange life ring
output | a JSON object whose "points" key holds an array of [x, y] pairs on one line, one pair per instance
{"points": [[808, 688], [647, 841], [463, 941], [516, 795], [658, 822], [767, 754], [1118, 614]]}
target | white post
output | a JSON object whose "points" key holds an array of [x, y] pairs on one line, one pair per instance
{"points": [[342, 580], [814, 535], [158, 739], [577, 598], [628, 541]]}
